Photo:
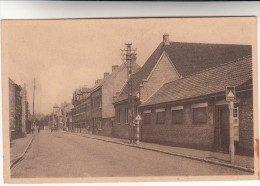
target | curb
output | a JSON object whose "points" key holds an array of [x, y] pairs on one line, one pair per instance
{"points": [[180, 155], [22, 155]]}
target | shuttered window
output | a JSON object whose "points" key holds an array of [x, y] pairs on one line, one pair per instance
{"points": [[160, 118], [177, 117], [147, 118], [199, 115]]}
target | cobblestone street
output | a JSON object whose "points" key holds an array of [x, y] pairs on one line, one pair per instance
{"points": [[59, 154]]}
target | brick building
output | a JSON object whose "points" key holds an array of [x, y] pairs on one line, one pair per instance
{"points": [[93, 110], [15, 109], [102, 108], [192, 111], [79, 120], [171, 61], [26, 126]]}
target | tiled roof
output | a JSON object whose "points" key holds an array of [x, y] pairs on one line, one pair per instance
{"points": [[188, 58], [85, 90], [207, 82]]}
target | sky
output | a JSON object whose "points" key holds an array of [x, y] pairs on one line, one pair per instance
{"points": [[63, 55]]}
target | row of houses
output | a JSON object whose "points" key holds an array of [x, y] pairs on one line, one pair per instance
{"points": [[19, 123], [93, 110], [179, 93]]}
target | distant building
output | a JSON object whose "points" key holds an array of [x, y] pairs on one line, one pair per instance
{"points": [[57, 118], [69, 120], [169, 62], [79, 112], [65, 109], [15, 109]]}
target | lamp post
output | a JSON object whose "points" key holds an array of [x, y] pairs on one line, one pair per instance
{"points": [[128, 56]]}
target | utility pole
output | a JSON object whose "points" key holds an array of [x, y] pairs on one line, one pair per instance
{"points": [[33, 99], [128, 56]]}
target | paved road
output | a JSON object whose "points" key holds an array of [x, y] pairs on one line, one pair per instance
{"points": [[60, 154]]}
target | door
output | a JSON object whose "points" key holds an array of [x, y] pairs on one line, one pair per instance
{"points": [[222, 120]]}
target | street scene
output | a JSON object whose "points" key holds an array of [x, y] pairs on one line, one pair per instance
{"points": [[91, 99], [76, 156]]}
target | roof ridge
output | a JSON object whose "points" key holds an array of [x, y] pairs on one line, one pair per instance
{"points": [[209, 43], [224, 64]]}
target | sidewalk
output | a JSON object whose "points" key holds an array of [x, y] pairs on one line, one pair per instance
{"points": [[245, 163], [18, 147]]}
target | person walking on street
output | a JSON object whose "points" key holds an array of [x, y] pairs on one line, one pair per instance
{"points": [[39, 129]]}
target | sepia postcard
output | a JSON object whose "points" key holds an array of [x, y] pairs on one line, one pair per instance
{"points": [[130, 100]]}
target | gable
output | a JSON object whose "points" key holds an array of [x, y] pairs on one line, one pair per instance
{"points": [[163, 72], [163, 67]]}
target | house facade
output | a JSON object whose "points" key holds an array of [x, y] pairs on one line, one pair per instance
{"points": [[169, 62], [26, 127], [15, 109], [193, 112], [103, 111], [93, 111], [79, 109]]}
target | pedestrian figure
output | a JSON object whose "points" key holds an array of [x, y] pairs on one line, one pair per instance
{"points": [[39, 129], [33, 130]]}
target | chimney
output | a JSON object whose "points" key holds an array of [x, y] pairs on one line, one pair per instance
{"points": [[114, 67], [106, 74], [166, 39], [97, 81], [115, 96]]}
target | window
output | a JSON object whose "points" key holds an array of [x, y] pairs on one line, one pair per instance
{"points": [[235, 112], [147, 118], [160, 118], [118, 116], [199, 115], [236, 123], [177, 117], [235, 117], [99, 124], [126, 115], [100, 101]]}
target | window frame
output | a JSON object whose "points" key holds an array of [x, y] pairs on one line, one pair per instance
{"points": [[150, 119], [160, 111], [118, 117], [99, 123], [126, 115], [193, 116], [172, 118]]}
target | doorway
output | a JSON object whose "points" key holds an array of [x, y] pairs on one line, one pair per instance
{"points": [[222, 128]]}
